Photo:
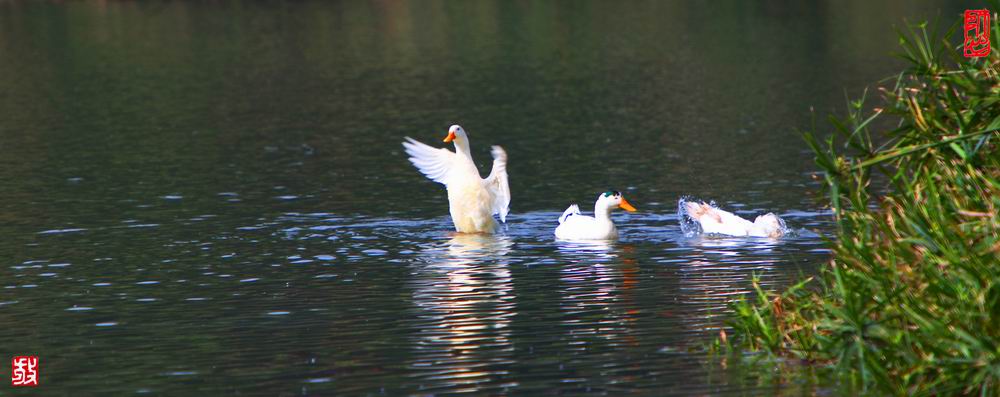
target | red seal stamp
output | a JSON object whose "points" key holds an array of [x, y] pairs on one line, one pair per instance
{"points": [[976, 25], [24, 371]]}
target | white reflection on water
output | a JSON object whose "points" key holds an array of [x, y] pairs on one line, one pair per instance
{"points": [[597, 298], [718, 274], [464, 296], [584, 247], [478, 247]]}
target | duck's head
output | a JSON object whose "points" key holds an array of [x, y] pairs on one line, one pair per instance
{"points": [[614, 198], [456, 133]]}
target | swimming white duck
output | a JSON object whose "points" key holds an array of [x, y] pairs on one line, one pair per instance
{"points": [[574, 226], [472, 200], [715, 220]]}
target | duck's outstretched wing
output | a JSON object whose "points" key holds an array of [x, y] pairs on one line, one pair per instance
{"points": [[435, 163], [572, 210], [497, 184]]}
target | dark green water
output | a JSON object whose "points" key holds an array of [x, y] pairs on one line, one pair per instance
{"points": [[212, 199]]}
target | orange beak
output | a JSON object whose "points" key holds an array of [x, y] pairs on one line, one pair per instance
{"points": [[626, 206], [450, 137]]}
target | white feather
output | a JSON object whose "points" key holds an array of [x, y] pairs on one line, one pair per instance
{"points": [[435, 163], [572, 210], [497, 183]]}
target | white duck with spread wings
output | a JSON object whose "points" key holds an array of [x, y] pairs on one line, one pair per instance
{"points": [[472, 200]]}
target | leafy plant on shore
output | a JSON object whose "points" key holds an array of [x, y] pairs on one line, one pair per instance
{"points": [[910, 302]]}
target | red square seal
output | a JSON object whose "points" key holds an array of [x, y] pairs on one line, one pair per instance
{"points": [[24, 371], [976, 25]]}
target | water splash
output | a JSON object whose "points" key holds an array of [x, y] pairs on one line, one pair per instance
{"points": [[692, 228], [689, 226]]}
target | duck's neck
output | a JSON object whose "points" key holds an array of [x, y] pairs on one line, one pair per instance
{"points": [[602, 212], [462, 148]]}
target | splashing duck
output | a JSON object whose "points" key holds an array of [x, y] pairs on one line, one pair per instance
{"points": [[716, 221], [472, 200], [575, 226]]}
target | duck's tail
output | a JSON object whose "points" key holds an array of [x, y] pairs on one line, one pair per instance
{"points": [[572, 210]]}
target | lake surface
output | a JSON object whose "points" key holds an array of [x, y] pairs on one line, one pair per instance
{"points": [[211, 198]]}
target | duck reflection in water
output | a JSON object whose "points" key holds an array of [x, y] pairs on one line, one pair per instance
{"points": [[463, 296], [474, 247], [586, 248], [720, 271], [597, 293]]}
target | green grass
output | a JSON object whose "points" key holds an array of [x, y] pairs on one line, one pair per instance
{"points": [[910, 302]]}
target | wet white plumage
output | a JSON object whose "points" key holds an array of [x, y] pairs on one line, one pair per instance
{"points": [[472, 200], [716, 221]]}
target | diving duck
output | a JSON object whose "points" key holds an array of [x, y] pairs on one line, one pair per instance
{"points": [[716, 221]]}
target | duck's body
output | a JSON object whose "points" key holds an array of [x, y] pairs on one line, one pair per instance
{"points": [[470, 203], [716, 221], [575, 226], [472, 200]]}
